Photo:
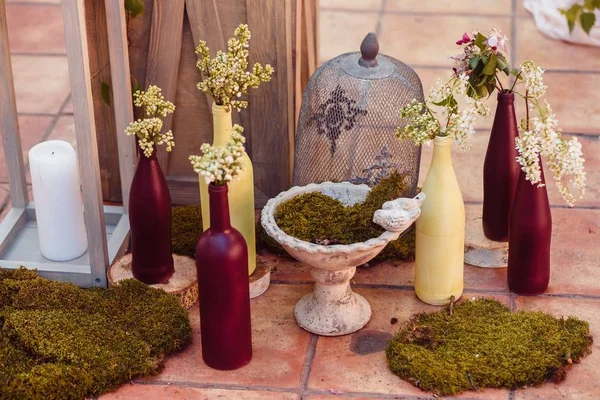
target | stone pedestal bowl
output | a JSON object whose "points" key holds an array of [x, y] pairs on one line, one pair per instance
{"points": [[333, 309]]}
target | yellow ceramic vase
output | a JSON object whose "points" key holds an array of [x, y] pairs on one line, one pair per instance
{"points": [[440, 231], [241, 190]]}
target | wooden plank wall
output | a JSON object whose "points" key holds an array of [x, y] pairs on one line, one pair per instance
{"points": [[99, 60], [161, 51]]}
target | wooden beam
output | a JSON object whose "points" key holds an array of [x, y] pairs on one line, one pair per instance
{"points": [[10, 227], [13, 153], [163, 57], [85, 133], [121, 88]]}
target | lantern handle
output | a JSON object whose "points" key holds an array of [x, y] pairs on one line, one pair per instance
{"points": [[369, 48]]}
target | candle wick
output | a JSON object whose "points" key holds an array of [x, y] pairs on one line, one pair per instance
{"points": [[52, 153]]}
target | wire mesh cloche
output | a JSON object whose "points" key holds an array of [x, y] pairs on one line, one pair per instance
{"points": [[350, 111]]}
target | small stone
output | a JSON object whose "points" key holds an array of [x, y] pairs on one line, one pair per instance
{"points": [[394, 321]]}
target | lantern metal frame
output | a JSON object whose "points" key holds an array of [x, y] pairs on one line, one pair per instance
{"points": [[107, 227]]}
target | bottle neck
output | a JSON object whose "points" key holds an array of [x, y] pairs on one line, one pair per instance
{"points": [[222, 125], [441, 150], [219, 207]]}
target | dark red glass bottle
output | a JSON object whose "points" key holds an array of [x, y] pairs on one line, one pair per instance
{"points": [[150, 222], [222, 265], [500, 170], [529, 239]]}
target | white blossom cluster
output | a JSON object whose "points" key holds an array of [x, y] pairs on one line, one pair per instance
{"points": [[532, 74], [564, 158], [219, 165], [225, 77], [148, 128], [459, 124]]}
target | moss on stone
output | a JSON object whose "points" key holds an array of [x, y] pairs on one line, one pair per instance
{"points": [[60, 341], [484, 344], [317, 218], [186, 228]]}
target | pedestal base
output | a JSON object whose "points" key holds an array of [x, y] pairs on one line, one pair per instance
{"points": [[183, 284], [333, 309], [260, 278], [481, 251]]}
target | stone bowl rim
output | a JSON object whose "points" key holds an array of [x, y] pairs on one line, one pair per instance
{"points": [[270, 225]]}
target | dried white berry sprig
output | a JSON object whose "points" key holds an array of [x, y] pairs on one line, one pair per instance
{"points": [[541, 136], [440, 114], [148, 128], [226, 77], [220, 165]]}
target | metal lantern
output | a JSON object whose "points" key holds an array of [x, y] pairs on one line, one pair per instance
{"points": [[348, 118], [107, 227]]}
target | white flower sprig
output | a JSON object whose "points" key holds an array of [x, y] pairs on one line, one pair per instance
{"points": [[423, 124], [541, 136], [219, 165], [225, 77], [148, 127]]}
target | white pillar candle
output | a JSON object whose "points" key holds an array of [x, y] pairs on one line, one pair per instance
{"points": [[58, 202]]}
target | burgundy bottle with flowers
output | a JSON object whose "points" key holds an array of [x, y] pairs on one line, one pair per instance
{"points": [[222, 265], [500, 170], [529, 238], [484, 60]]}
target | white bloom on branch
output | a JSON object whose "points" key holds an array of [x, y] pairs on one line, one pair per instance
{"points": [[220, 165], [148, 128], [533, 79], [225, 77]]}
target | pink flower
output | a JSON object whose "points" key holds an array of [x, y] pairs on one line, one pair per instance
{"points": [[464, 39]]}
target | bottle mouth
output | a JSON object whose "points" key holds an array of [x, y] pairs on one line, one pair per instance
{"points": [[505, 96], [442, 141]]}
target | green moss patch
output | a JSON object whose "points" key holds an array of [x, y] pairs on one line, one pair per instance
{"points": [[483, 344], [186, 228], [317, 218], [60, 341]]}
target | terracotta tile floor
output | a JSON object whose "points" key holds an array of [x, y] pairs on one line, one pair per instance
{"points": [[290, 363]]}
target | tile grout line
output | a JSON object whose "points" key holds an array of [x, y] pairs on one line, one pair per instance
{"points": [[307, 366], [26, 54], [225, 386], [413, 13], [27, 3], [513, 31], [494, 292], [378, 26]]}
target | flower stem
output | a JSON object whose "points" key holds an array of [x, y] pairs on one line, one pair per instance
{"points": [[498, 80], [515, 82], [527, 108]]}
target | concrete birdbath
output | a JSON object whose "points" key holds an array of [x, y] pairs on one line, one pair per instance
{"points": [[333, 309]]}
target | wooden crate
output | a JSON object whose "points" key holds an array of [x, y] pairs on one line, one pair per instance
{"points": [[161, 51]]}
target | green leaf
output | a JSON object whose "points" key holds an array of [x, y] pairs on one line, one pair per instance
{"points": [[490, 67], [588, 19], [480, 40], [482, 81], [105, 92], [514, 72], [135, 7], [473, 61], [571, 14]]}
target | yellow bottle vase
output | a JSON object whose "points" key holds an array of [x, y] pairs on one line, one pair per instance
{"points": [[241, 190], [440, 231]]}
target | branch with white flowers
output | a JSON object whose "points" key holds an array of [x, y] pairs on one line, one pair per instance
{"points": [[148, 128], [220, 165], [459, 124], [225, 77], [541, 136]]}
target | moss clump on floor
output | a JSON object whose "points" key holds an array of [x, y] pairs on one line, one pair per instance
{"points": [[60, 341], [317, 218], [186, 228], [484, 344]]}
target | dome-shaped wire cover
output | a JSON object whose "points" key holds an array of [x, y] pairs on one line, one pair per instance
{"points": [[350, 111]]}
